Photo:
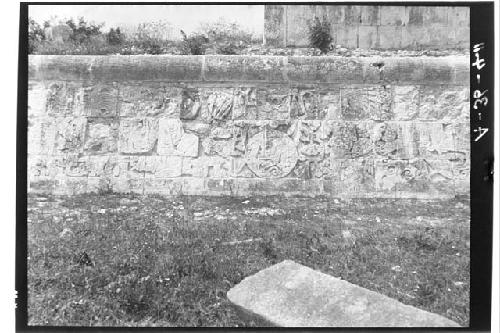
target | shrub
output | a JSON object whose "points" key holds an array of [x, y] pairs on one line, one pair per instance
{"points": [[35, 35], [115, 37], [83, 31], [194, 44], [319, 34], [226, 37]]}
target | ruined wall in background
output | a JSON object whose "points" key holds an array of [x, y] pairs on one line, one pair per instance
{"points": [[372, 27], [244, 125]]}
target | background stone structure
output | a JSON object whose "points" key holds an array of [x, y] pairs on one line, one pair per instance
{"points": [[372, 27], [243, 125]]}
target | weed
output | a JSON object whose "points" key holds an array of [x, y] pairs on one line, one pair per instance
{"points": [[319, 34]]}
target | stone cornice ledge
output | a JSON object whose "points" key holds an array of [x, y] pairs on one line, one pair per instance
{"points": [[453, 70]]}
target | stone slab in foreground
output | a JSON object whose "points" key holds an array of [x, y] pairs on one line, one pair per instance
{"points": [[291, 295]]}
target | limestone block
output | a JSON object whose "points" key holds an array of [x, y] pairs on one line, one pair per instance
{"points": [[46, 167], [281, 186], [394, 16], [72, 186], [308, 137], [346, 36], [218, 104], [390, 36], [403, 70], [367, 103], [149, 100], [273, 24], [415, 37], [444, 103], [77, 166], [297, 20], [461, 140], [271, 154], [37, 99], [314, 103], [138, 135], [348, 139], [291, 295], [70, 134], [404, 177], [207, 167], [165, 68], [198, 128], [370, 15], [244, 68], [101, 100], [387, 140], [102, 136], [273, 103], [461, 175], [219, 186], [172, 140], [458, 16], [435, 139], [356, 176], [435, 15], [160, 166], [109, 166], [368, 37], [406, 102], [352, 15], [168, 186], [227, 140], [42, 134], [64, 99], [329, 103], [240, 168], [437, 70], [190, 105], [415, 15], [325, 69]]}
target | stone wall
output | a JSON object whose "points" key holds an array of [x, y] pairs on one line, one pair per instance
{"points": [[243, 125], [372, 27]]}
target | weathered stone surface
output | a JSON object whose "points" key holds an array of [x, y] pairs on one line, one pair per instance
{"points": [[416, 176], [190, 105], [101, 137], [101, 101], [324, 69], [286, 25], [291, 295], [149, 100], [406, 102], [348, 140], [244, 68], [219, 105], [367, 103], [138, 135], [37, 99], [172, 140], [273, 25], [325, 134], [443, 103], [368, 37], [273, 103], [271, 154], [70, 134], [64, 99]]}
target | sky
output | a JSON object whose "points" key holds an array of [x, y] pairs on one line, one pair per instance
{"points": [[185, 17]]}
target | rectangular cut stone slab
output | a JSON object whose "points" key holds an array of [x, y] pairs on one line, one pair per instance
{"points": [[291, 295]]}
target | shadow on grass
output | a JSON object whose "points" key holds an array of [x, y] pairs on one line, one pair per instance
{"points": [[155, 261]]}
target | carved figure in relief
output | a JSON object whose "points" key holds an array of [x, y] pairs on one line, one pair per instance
{"points": [[190, 105], [271, 154]]}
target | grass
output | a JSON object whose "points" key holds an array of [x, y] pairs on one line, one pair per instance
{"points": [[124, 260]]}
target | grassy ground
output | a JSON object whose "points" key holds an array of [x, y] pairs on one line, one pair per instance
{"points": [[123, 260]]}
